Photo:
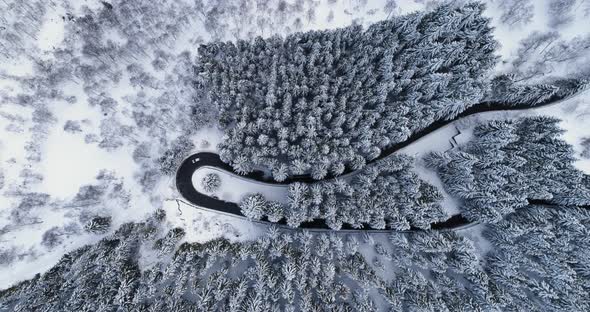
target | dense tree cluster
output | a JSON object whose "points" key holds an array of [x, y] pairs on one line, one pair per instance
{"points": [[278, 272], [322, 100], [386, 194], [537, 262], [434, 271], [507, 91], [509, 162]]}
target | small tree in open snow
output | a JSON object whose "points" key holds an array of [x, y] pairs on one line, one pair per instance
{"points": [[253, 206], [211, 182]]}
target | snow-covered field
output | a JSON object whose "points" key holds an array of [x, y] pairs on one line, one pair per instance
{"points": [[48, 174]]}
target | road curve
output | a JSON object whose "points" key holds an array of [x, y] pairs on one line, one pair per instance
{"points": [[187, 190], [473, 110], [192, 163], [199, 200]]}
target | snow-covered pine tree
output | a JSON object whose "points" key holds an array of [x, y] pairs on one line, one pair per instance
{"points": [[211, 182], [253, 206]]}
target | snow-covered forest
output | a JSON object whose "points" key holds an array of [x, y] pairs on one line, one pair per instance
{"points": [[101, 101], [320, 101], [509, 163], [386, 194], [424, 271]]}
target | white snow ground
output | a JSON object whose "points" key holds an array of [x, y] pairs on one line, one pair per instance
{"points": [[202, 225]]}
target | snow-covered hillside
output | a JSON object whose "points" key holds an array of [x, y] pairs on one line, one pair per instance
{"points": [[97, 106]]}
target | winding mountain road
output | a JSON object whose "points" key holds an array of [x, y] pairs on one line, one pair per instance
{"points": [[185, 186], [192, 163]]}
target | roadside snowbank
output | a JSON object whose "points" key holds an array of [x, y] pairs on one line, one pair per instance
{"points": [[202, 225]]}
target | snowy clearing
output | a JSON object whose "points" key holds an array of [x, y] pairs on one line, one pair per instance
{"points": [[234, 187], [202, 225]]}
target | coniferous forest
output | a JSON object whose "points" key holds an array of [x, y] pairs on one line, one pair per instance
{"points": [[294, 155], [538, 262], [386, 194], [316, 102], [509, 164]]}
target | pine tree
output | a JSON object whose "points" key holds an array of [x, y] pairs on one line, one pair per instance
{"points": [[253, 206], [211, 182]]}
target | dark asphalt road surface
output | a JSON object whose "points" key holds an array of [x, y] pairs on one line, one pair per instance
{"points": [[187, 168], [185, 187]]}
